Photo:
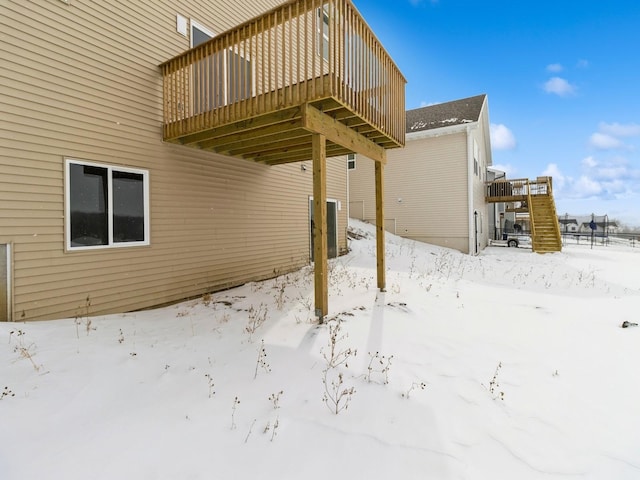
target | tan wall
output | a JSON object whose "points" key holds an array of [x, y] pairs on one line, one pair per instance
{"points": [[425, 190], [481, 136], [81, 81]]}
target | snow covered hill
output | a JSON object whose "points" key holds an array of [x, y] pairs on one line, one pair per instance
{"points": [[508, 365]]}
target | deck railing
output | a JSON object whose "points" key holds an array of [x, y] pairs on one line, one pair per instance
{"points": [[302, 51], [507, 188], [518, 188]]}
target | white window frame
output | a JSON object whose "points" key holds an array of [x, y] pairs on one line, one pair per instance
{"points": [[226, 88], [351, 161], [336, 237], [193, 23], [110, 169], [322, 13]]}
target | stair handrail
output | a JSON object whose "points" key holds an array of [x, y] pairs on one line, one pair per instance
{"points": [[532, 222], [556, 223]]}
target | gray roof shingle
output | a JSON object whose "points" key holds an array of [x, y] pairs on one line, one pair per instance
{"points": [[457, 112]]}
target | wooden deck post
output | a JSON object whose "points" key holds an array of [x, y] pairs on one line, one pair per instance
{"points": [[380, 261], [319, 156]]}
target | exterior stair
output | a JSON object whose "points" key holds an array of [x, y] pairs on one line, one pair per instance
{"points": [[534, 197], [545, 229]]}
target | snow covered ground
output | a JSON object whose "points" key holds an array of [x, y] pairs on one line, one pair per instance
{"points": [[508, 365]]}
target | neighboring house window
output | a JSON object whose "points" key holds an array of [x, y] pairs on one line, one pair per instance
{"points": [[106, 206], [351, 161], [476, 155], [322, 26]]}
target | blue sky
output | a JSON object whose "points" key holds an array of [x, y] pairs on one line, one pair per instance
{"points": [[563, 80]]}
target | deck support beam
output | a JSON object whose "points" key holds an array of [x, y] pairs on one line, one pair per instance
{"points": [[380, 258], [319, 155], [324, 128], [315, 121]]}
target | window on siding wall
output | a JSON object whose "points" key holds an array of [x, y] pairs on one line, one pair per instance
{"points": [[221, 78], [351, 161], [323, 31], [106, 206], [476, 157], [239, 77], [207, 92]]}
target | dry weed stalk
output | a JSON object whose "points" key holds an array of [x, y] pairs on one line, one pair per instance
{"points": [[23, 349], [257, 316], [261, 362], [337, 396]]}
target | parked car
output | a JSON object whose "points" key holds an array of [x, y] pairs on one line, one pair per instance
{"points": [[515, 240]]}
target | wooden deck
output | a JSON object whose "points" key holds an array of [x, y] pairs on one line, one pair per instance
{"points": [[508, 191], [260, 90], [536, 198], [305, 81]]}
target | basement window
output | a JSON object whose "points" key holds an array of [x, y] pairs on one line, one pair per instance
{"points": [[105, 206]]}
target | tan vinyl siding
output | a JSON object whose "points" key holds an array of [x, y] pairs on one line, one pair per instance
{"points": [[362, 193], [425, 190], [481, 137], [82, 81], [431, 194]]}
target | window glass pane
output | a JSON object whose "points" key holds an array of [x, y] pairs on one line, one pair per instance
{"points": [[208, 83], [323, 31], [198, 36], [88, 205], [128, 207], [239, 72]]}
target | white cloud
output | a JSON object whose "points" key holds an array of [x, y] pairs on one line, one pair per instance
{"points": [[620, 130], [604, 180], [608, 136], [613, 173], [558, 178], [559, 86], [568, 187], [555, 67], [604, 185], [604, 141], [589, 162], [501, 137], [586, 187]]}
